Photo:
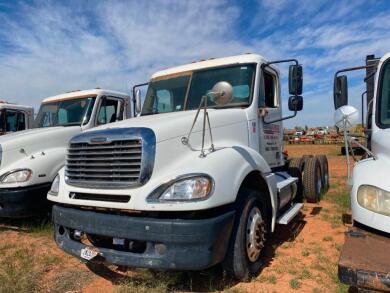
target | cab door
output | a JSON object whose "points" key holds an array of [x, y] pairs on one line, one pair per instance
{"points": [[269, 108]]}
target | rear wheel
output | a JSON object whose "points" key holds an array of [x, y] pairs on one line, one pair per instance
{"points": [[324, 171], [243, 257], [312, 182]]}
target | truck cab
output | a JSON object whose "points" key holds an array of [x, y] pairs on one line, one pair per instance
{"points": [[197, 179], [364, 262], [15, 117], [30, 159]]}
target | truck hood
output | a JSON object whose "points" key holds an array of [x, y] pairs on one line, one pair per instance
{"points": [[38, 139], [171, 125]]}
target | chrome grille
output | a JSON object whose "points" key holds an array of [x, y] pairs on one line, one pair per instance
{"points": [[117, 162]]}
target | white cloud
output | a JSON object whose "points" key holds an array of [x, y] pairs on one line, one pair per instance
{"points": [[49, 48]]}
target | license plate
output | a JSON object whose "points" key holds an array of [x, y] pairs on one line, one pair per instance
{"points": [[118, 241], [88, 253]]}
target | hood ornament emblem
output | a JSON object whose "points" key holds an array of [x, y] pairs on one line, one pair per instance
{"points": [[99, 140]]}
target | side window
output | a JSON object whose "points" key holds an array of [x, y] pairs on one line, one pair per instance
{"points": [[21, 121], [109, 110], [11, 117], [269, 99]]}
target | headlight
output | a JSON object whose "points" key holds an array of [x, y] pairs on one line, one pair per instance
{"points": [[55, 186], [374, 199], [16, 176], [185, 188]]}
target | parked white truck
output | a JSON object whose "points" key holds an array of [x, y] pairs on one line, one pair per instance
{"points": [[365, 259], [198, 179], [30, 159], [14, 117]]}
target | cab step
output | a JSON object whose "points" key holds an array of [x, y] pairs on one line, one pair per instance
{"points": [[290, 214]]}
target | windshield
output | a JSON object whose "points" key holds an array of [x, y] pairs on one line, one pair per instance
{"points": [[65, 113], [184, 92], [384, 97]]}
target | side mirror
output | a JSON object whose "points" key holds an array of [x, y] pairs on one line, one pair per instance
{"points": [[340, 91], [295, 103], [221, 93], [138, 101], [346, 117], [295, 80]]}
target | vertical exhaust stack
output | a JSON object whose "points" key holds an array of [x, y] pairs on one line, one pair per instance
{"points": [[372, 62]]}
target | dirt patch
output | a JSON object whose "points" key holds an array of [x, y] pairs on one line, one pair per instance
{"points": [[300, 257]]}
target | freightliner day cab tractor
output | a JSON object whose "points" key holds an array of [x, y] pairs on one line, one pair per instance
{"points": [[30, 159], [15, 117], [365, 259], [198, 179]]}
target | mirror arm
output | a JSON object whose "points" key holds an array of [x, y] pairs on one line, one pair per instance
{"points": [[280, 61], [355, 68], [280, 119], [133, 98]]}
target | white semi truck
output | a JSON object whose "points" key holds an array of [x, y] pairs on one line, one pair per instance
{"points": [[365, 260], [14, 117], [198, 179], [30, 159]]}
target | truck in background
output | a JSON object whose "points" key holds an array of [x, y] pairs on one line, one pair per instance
{"points": [[14, 117], [30, 160], [198, 179], [365, 260]]}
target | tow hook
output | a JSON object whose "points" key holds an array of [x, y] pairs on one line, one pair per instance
{"points": [[78, 234]]}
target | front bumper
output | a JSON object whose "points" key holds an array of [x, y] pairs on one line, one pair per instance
{"points": [[174, 244], [365, 260], [24, 201]]}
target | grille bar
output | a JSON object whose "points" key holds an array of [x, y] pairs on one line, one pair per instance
{"points": [[105, 158], [116, 152]]}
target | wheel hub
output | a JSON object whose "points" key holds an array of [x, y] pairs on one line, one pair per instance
{"points": [[254, 234]]}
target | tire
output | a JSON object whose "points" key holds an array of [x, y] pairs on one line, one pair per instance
{"points": [[295, 169], [305, 157], [242, 260], [312, 183], [324, 172]]}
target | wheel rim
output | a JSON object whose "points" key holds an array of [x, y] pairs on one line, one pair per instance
{"points": [[326, 180], [254, 234], [319, 181]]}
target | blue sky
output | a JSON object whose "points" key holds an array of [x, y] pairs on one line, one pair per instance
{"points": [[50, 47]]}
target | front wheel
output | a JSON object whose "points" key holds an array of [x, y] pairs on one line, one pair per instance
{"points": [[248, 237]]}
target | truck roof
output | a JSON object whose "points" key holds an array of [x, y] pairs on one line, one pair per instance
{"points": [[212, 62], [83, 93], [6, 105]]}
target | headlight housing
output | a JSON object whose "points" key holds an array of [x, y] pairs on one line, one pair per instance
{"points": [[191, 187], [16, 176], [55, 186], [374, 199]]}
